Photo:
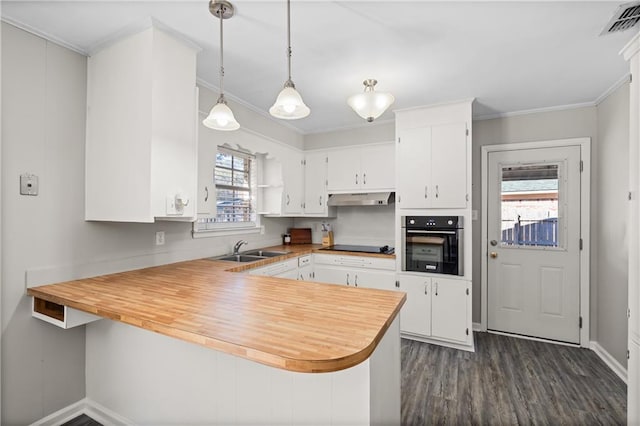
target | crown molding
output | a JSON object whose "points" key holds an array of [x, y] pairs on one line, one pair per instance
{"points": [[615, 86], [534, 111], [44, 35]]}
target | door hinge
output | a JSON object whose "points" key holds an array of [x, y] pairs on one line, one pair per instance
{"points": [[629, 195], [467, 197], [581, 166], [398, 140], [397, 283], [580, 322], [467, 132], [628, 355], [467, 331], [580, 243], [628, 313], [467, 292]]}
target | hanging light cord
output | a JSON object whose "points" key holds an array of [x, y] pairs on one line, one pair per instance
{"points": [[289, 83], [220, 15]]}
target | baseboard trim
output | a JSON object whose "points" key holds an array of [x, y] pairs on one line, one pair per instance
{"points": [[611, 362], [477, 326], [460, 346], [86, 406]]}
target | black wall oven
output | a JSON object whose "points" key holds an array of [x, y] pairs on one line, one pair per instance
{"points": [[432, 244]]}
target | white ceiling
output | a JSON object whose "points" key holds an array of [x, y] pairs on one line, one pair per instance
{"points": [[510, 56]]}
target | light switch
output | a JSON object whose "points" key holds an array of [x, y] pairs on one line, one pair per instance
{"points": [[28, 184]]}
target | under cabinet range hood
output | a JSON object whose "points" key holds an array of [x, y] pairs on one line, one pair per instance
{"points": [[369, 199]]}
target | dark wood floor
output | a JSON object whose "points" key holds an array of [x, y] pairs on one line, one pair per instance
{"points": [[509, 381]]}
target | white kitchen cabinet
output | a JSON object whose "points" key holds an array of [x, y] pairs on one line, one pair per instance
{"points": [[415, 316], [315, 185], [141, 142], [631, 53], [357, 271], [207, 150], [305, 268], [285, 269], [436, 308], [432, 165], [369, 168], [292, 180], [450, 301]]}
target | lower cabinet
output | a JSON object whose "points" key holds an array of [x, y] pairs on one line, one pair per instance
{"points": [[357, 271], [436, 308]]}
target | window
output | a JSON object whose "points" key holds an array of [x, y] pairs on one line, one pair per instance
{"points": [[234, 177]]}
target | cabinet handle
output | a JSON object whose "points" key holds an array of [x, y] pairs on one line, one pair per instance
{"points": [[356, 281], [425, 288], [436, 283], [206, 192], [347, 278], [437, 191], [320, 201], [356, 178], [425, 191], [288, 199], [364, 179], [398, 283]]}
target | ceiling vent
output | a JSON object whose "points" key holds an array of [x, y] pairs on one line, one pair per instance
{"points": [[626, 16]]}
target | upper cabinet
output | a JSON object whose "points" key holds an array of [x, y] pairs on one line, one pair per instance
{"points": [[433, 157], [315, 185], [432, 166], [141, 145], [369, 168]]}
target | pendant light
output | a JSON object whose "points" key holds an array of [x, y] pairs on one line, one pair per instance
{"points": [[370, 104], [221, 117], [289, 104]]}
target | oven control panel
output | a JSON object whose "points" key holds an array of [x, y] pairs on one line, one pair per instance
{"points": [[433, 222]]}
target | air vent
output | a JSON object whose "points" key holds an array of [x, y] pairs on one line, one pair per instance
{"points": [[626, 16]]}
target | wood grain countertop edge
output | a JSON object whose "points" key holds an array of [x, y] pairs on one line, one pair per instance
{"points": [[264, 357]]}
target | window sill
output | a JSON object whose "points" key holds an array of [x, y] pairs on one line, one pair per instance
{"points": [[222, 232]]}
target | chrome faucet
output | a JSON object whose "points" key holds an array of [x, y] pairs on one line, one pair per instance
{"points": [[236, 248]]}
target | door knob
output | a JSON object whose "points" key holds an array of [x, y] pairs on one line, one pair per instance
{"points": [[493, 255], [493, 243]]}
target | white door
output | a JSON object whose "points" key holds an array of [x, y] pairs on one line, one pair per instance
{"points": [[533, 229], [378, 167], [415, 316], [413, 167], [449, 302], [343, 169], [448, 188], [315, 182]]}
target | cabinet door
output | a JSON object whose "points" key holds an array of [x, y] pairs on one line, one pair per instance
{"points": [[633, 380], [415, 316], [449, 304], [448, 187], [413, 165], [343, 169], [291, 274], [206, 179], [305, 273], [378, 167], [292, 177], [378, 279], [331, 275], [315, 183]]}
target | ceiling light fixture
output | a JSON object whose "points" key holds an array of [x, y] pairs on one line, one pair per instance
{"points": [[370, 104], [289, 104], [221, 117]]}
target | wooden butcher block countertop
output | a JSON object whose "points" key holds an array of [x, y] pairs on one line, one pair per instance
{"points": [[293, 325]]}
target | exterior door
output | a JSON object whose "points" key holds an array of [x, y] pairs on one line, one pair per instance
{"points": [[533, 229]]}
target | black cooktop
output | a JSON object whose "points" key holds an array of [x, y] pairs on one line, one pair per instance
{"points": [[360, 249]]}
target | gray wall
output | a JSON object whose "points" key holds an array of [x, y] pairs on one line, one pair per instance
{"points": [[611, 252], [367, 133], [43, 131]]}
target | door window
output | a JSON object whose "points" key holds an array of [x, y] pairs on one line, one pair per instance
{"points": [[530, 206]]}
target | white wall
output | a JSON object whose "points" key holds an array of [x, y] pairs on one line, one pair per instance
{"points": [[367, 133], [611, 252], [43, 131]]}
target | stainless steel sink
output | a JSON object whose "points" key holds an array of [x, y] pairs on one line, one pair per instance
{"points": [[240, 258], [264, 253]]}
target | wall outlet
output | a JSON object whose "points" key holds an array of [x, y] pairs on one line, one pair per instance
{"points": [[28, 184], [160, 238]]}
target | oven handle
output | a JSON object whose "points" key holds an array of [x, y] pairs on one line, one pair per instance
{"points": [[413, 231]]}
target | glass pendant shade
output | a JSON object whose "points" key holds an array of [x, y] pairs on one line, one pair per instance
{"points": [[370, 104], [221, 118], [289, 105]]}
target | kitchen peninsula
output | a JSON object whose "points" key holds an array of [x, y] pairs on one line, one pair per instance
{"points": [[267, 350]]}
